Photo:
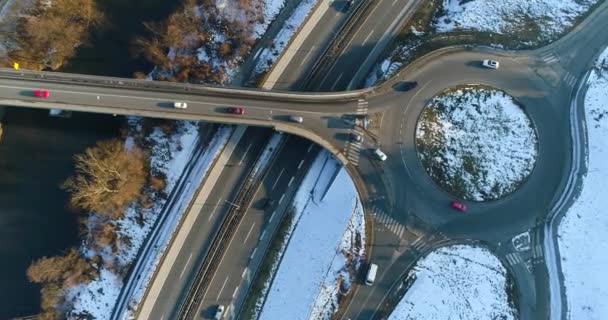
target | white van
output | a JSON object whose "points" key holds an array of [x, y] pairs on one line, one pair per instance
{"points": [[371, 274], [380, 155]]}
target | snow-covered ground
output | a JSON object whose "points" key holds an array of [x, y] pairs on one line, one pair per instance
{"points": [[268, 56], [551, 17], [170, 155], [269, 151], [533, 21], [456, 282], [582, 232], [324, 245], [476, 142]]}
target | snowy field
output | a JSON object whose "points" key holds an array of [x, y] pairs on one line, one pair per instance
{"points": [[547, 18], [533, 21], [170, 155], [477, 143], [326, 242], [457, 282], [268, 56], [582, 232]]}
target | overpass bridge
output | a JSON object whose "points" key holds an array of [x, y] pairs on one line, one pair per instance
{"points": [[321, 112], [398, 188]]}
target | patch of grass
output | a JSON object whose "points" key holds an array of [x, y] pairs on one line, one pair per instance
{"points": [[265, 271]]}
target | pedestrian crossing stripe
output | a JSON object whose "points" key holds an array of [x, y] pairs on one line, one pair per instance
{"points": [[548, 57], [569, 79]]}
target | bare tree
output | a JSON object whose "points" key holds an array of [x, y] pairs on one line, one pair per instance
{"points": [[69, 270], [108, 177]]}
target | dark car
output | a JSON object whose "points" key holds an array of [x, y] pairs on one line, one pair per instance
{"points": [[405, 85], [236, 110], [356, 137], [348, 4], [269, 203]]}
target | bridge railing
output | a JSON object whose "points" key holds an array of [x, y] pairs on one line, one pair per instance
{"points": [[122, 83]]}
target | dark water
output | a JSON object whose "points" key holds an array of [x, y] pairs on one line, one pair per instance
{"points": [[110, 49], [35, 157]]}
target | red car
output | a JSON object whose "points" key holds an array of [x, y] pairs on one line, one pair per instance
{"points": [[236, 110], [459, 206], [41, 93]]}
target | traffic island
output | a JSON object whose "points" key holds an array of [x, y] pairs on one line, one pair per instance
{"points": [[476, 142]]}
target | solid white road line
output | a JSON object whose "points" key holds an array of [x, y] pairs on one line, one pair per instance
{"points": [[222, 289], [367, 38], [336, 83], [276, 181], [214, 208], [245, 153], [249, 233], [185, 266], [308, 54]]}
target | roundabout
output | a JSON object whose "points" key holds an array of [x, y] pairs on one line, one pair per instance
{"points": [[476, 142]]}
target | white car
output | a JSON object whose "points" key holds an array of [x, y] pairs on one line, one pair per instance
{"points": [[491, 64], [380, 155], [219, 312], [180, 105], [296, 119]]}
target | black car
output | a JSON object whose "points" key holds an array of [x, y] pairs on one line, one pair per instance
{"points": [[348, 4], [269, 203], [405, 85]]}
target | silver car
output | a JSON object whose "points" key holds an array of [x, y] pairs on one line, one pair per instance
{"points": [[297, 119]]}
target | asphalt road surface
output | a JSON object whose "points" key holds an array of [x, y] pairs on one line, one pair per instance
{"points": [[400, 193], [209, 219], [543, 81], [244, 254]]}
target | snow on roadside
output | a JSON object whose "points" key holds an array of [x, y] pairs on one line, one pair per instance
{"points": [[582, 231], [269, 151], [531, 20], [271, 10], [169, 155], [319, 238], [456, 282], [552, 17], [344, 265], [268, 56]]}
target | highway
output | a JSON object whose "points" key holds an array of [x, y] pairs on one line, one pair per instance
{"points": [[371, 34], [212, 213], [245, 253], [400, 192]]}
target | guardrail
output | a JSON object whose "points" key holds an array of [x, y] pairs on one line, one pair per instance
{"points": [[229, 226], [149, 245], [173, 87]]}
